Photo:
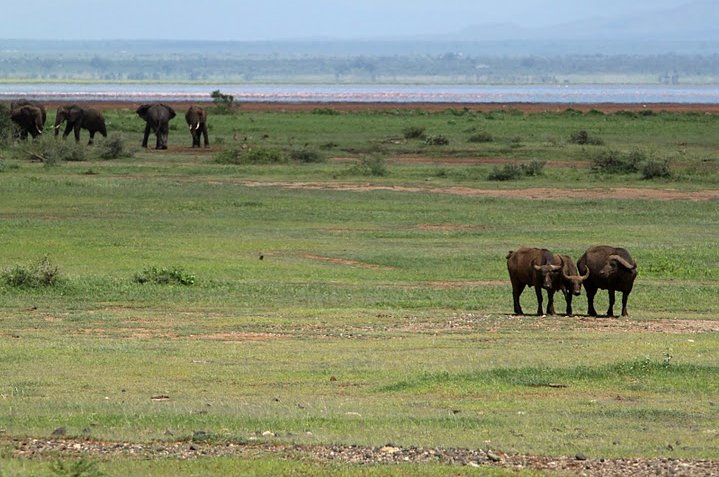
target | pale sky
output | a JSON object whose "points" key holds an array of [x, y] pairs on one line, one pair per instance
{"points": [[289, 19]]}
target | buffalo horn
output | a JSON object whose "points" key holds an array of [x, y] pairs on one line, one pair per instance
{"points": [[625, 264]]}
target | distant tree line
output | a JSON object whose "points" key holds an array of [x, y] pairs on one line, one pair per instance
{"points": [[447, 67]]}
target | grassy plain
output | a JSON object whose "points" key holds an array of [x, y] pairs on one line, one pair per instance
{"points": [[331, 307]]}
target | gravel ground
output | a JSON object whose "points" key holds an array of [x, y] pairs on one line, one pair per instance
{"points": [[357, 455]]}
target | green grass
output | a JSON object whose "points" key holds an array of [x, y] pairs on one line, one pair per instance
{"points": [[361, 317]]}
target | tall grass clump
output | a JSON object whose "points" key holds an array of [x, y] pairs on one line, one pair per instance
{"points": [[51, 151], [114, 147], [244, 156], [481, 137], [374, 165], [512, 172], [655, 169], [41, 273], [164, 276], [613, 162], [413, 132], [582, 137], [306, 156]]}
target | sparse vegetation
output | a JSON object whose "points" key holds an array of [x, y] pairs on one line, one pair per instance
{"points": [[372, 165], [414, 132], [306, 156], [654, 169], [611, 161], [114, 147], [438, 140], [164, 276], [250, 155], [41, 273], [481, 137], [511, 172], [582, 137]]}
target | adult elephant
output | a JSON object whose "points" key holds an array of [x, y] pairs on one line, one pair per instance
{"points": [[29, 118], [78, 118], [157, 116], [26, 102], [196, 118]]}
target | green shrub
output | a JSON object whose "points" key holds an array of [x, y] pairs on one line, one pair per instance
{"points": [[306, 156], [224, 103], [436, 140], [370, 166], [413, 132], [612, 162], [509, 172], [114, 147], [582, 137], [326, 111], [242, 155], [164, 276], [533, 168], [42, 273], [481, 136], [652, 169], [50, 151], [7, 127], [78, 468]]}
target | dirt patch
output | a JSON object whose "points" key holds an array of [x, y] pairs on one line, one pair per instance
{"points": [[358, 455], [533, 193]]}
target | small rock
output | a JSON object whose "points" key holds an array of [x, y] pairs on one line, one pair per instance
{"points": [[580, 456], [389, 449], [268, 434], [493, 457], [333, 379], [60, 431]]}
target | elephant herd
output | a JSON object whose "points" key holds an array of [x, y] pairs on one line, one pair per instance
{"points": [[30, 117], [600, 267]]}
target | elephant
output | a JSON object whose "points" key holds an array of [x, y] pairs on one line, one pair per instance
{"points": [[157, 116], [25, 114], [196, 118], [29, 117], [77, 118]]}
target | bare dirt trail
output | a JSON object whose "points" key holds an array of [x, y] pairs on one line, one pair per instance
{"points": [[532, 193]]}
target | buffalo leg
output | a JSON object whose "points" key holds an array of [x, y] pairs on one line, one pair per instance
{"points": [[550, 302], [517, 290], [590, 300], [612, 298], [568, 299], [538, 291], [625, 297]]}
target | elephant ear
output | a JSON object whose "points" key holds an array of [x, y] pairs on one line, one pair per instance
{"points": [[142, 110], [74, 113], [171, 111]]}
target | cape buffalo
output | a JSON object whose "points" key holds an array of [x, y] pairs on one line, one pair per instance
{"points": [[609, 268], [570, 281], [533, 267]]}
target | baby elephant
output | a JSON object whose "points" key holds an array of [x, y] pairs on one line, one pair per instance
{"points": [[78, 118], [196, 118]]}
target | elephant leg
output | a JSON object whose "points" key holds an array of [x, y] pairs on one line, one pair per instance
{"points": [[540, 299], [625, 298], [92, 138], [77, 132], [204, 135], [517, 290], [66, 133], [591, 292], [147, 134], [610, 311]]}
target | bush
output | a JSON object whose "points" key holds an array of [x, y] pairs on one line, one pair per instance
{"points": [[510, 172], [241, 156], [612, 162], [370, 166], [533, 168], [652, 169], [436, 141], [413, 132], [164, 276], [306, 156], [7, 127], [481, 136], [35, 275], [582, 137], [114, 147], [224, 103], [326, 111], [51, 151]]}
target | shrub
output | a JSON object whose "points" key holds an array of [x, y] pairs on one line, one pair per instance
{"points": [[79, 468], [224, 103], [413, 132], [164, 276], [306, 156], [42, 273], [481, 136], [510, 172], [370, 166], [436, 140], [241, 155], [533, 168], [114, 148], [652, 169], [7, 127], [326, 111], [612, 162], [582, 137], [51, 151]]}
